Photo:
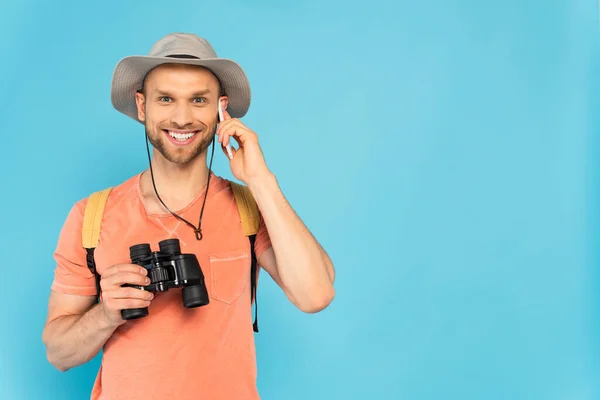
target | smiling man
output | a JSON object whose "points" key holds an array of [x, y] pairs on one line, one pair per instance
{"points": [[176, 352]]}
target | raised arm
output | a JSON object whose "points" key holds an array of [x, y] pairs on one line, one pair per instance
{"points": [[296, 261]]}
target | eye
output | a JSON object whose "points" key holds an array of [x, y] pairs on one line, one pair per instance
{"points": [[200, 100], [164, 99]]}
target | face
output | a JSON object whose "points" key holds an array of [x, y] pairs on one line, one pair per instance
{"points": [[179, 110]]}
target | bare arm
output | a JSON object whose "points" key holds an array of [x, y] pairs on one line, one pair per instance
{"points": [[76, 329], [297, 262]]}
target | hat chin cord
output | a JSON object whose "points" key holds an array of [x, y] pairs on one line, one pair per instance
{"points": [[198, 230]]}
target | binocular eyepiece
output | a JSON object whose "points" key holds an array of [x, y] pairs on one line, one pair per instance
{"points": [[140, 252]]}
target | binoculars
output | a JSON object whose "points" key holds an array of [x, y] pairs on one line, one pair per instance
{"points": [[167, 269]]}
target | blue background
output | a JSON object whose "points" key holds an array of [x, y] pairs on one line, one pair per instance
{"points": [[445, 153]]}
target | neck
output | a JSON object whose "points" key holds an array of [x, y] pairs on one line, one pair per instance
{"points": [[176, 184]]}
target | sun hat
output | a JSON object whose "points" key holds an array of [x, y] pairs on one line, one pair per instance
{"points": [[180, 48]]}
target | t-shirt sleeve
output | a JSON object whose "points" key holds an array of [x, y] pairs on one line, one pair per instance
{"points": [[263, 241], [71, 273]]}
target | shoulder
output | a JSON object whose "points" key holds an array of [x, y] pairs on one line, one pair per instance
{"points": [[121, 192], [124, 192], [236, 192], [221, 188]]}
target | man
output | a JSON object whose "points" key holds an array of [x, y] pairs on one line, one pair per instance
{"points": [[175, 352]]}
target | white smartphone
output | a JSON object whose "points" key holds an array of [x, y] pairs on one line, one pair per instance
{"points": [[220, 120]]}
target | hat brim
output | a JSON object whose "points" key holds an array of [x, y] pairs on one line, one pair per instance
{"points": [[131, 71]]}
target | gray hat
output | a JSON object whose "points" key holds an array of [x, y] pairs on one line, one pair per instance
{"points": [[130, 72]]}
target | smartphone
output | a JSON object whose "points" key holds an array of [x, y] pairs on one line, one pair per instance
{"points": [[220, 120]]}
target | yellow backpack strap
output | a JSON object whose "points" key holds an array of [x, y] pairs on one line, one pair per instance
{"points": [[250, 217], [90, 234], [247, 207], [92, 218]]}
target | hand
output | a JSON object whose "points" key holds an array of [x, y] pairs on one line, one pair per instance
{"points": [[248, 161], [115, 297]]}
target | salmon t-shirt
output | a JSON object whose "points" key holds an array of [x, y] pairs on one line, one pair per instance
{"points": [[173, 353]]}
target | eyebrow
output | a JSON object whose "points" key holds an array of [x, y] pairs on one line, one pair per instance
{"points": [[195, 94]]}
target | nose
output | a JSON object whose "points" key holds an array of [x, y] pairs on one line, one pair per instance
{"points": [[182, 116]]}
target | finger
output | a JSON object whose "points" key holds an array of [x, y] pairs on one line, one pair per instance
{"points": [[238, 131], [124, 304], [120, 278], [231, 126], [237, 140], [124, 268], [130, 293], [226, 115], [223, 125], [219, 133], [232, 149], [228, 133]]}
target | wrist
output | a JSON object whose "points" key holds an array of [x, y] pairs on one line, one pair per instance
{"points": [[106, 321], [262, 182]]}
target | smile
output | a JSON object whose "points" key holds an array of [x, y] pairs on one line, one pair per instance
{"points": [[182, 137]]}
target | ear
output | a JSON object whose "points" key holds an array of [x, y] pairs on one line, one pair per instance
{"points": [[224, 100], [140, 101]]}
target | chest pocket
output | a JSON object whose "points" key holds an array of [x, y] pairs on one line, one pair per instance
{"points": [[230, 273]]}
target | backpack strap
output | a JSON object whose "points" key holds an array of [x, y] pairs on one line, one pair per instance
{"points": [[90, 234], [250, 217]]}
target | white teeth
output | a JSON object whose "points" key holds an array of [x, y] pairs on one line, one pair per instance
{"points": [[181, 136]]}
